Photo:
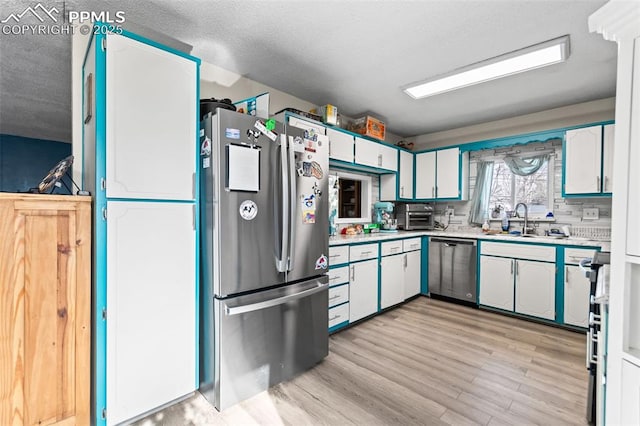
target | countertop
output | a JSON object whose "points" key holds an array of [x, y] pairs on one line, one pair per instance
{"points": [[382, 236]]}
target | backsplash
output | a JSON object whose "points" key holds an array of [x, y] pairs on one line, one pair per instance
{"points": [[567, 211]]}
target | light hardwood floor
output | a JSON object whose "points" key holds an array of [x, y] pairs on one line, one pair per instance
{"points": [[426, 362]]}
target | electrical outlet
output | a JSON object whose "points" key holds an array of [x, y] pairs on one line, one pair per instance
{"points": [[449, 211], [590, 214]]}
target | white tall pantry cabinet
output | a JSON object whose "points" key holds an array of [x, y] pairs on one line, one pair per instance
{"points": [[618, 21], [140, 155]]}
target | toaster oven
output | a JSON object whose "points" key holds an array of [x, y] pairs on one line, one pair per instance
{"points": [[415, 216]]}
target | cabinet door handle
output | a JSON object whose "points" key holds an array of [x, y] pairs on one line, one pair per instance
{"points": [[353, 272], [335, 317], [436, 191], [606, 184], [433, 192], [512, 261], [405, 261], [566, 275], [379, 159], [517, 272], [597, 183], [402, 191]]}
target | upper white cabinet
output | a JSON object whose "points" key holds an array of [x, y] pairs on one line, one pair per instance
{"points": [[405, 190], [426, 175], [149, 151], [340, 145], [442, 174], [398, 186], [374, 154], [588, 157]]}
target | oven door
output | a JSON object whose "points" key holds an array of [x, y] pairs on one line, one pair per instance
{"points": [[419, 220]]}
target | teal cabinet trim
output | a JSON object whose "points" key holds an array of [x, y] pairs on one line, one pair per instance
{"points": [[344, 165], [338, 326], [560, 285], [424, 267], [338, 265]]}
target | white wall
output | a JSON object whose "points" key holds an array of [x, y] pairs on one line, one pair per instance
{"points": [[572, 115]]}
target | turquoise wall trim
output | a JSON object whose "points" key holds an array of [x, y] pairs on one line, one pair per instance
{"points": [[100, 246], [518, 139], [560, 285]]}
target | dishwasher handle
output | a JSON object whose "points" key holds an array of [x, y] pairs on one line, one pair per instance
{"points": [[452, 242]]}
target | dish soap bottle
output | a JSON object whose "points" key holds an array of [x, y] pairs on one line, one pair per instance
{"points": [[505, 222], [485, 226]]}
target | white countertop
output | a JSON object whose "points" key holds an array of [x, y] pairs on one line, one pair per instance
{"points": [[382, 236]]}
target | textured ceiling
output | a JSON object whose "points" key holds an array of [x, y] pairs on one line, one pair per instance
{"points": [[353, 54]]}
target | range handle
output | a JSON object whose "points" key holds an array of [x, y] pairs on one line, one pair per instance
{"points": [[252, 307]]}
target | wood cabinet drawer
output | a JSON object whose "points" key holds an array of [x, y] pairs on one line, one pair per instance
{"points": [[391, 247], [338, 275], [363, 252], [338, 255], [338, 315], [519, 251], [411, 244], [338, 295], [573, 256]]}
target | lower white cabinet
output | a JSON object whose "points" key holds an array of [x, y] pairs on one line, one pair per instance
{"points": [[391, 280], [517, 285], [412, 273], [496, 282], [338, 315], [576, 296], [535, 288], [363, 289]]}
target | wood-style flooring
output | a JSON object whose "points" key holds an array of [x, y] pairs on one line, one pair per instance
{"points": [[427, 362]]}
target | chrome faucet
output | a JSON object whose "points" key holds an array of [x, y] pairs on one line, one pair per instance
{"points": [[526, 214]]}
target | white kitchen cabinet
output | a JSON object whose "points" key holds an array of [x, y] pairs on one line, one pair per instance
{"points": [[442, 174], [576, 296], [588, 160], [391, 280], [340, 145], [535, 284], [374, 154], [405, 190], [412, 283], [426, 175], [448, 173], [398, 186], [518, 285], [607, 157], [630, 415], [363, 289], [496, 282]]}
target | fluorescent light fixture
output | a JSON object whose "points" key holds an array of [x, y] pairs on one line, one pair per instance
{"points": [[532, 57]]}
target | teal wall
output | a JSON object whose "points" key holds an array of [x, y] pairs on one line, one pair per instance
{"points": [[25, 161]]}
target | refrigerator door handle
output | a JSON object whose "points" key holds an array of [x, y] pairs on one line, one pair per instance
{"points": [[281, 261], [236, 310], [293, 205]]}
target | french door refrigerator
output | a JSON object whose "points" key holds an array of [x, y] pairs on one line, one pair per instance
{"points": [[264, 216]]}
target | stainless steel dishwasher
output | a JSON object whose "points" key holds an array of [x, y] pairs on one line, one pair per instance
{"points": [[452, 268]]}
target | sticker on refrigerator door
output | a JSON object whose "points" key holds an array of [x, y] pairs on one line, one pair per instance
{"points": [[308, 216], [205, 147], [206, 162], [248, 210], [316, 170], [308, 202], [232, 133], [298, 144], [322, 262]]}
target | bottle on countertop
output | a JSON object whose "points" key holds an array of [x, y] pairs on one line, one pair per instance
{"points": [[505, 221]]}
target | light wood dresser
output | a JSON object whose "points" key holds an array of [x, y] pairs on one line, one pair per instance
{"points": [[45, 309]]}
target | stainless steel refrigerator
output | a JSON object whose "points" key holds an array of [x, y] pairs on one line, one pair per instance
{"points": [[264, 289]]}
